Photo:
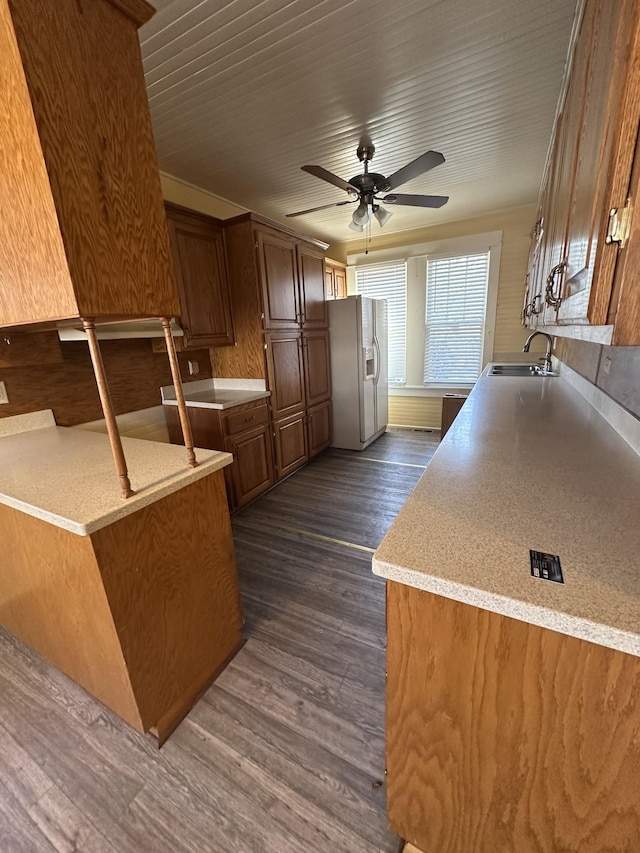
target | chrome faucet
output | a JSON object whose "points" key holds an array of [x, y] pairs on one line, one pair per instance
{"points": [[547, 356]]}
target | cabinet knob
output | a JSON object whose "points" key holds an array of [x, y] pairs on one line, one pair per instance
{"points": [[252, 418]]}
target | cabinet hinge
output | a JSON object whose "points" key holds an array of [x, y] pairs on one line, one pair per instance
{"points": [[619, 224]]}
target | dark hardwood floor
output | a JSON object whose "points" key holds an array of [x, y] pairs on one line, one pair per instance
{"points": [[286, 751]]}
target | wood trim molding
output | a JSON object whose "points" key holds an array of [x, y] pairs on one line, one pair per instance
{"points": [[256, 219], [181, 210], [138, 10]]}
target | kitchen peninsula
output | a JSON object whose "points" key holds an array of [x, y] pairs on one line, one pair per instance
{"points": [[513, 702], [136, 600]]}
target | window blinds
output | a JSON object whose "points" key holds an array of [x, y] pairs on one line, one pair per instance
{"points": [[389, 281], [454, 324]]}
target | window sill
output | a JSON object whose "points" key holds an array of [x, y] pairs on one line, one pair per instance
{"points": [[421, 391]]}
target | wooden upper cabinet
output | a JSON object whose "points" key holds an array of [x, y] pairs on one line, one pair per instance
{"points": [[335, 279], [328, 284], [608, 55], [340, 282], [279, 275], [579, 273], [85, 234], [312, 285], [197, 243]]}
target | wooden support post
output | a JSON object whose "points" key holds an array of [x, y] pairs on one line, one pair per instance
{"points": [[177, 383], [107, 408]]}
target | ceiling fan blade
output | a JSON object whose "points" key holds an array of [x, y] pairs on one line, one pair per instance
{"points": [[417, 167], [322, 207], [416, 200], [324, 175]]}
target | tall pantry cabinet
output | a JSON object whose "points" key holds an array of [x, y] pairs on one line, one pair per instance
{"points": [[280, 317]]}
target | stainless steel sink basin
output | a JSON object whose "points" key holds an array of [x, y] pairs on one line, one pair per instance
{"points": [[518, 370]]}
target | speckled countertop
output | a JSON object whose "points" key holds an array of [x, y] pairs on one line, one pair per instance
{"points": [[217, 393], [67, 476], [528, 464]]}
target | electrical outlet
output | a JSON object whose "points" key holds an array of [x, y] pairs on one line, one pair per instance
{"points": [[4, 397], [606, 364], [194, 368]]}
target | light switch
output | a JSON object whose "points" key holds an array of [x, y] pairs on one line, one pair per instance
{"points": [[194, 368], [4, 397]]}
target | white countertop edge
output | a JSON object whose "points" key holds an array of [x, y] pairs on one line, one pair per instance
{"points": [[168, 392], [129, 505], [572, 626], [228, 404]]}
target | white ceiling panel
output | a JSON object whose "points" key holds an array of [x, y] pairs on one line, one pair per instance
{"points": [[243, 94]]}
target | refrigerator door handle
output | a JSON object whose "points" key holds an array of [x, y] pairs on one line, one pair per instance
{"points": [[376, 344]]}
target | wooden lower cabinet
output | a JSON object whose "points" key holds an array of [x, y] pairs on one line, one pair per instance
{"points": [[142, 613], [504, 736], [451, 405], [252, 471], [241, 430], [290, 443], [319, 428], [317, 369]]}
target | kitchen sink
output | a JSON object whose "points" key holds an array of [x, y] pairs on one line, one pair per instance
{"points": [[518, 370]]}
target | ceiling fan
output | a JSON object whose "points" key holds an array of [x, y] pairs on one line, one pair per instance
{"points": [[366, 188]]}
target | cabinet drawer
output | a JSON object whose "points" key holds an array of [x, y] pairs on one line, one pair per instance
{"points": [[246, 419]]}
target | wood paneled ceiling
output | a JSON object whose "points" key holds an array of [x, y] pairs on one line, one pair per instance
{"points": [[243, 93]]}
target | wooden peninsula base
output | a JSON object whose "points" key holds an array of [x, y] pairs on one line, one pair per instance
{"points": [[142, 613], [504, 736]]}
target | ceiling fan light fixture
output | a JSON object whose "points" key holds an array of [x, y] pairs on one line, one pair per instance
{"points": [[361, 214], [355, 227], [382, 215]]}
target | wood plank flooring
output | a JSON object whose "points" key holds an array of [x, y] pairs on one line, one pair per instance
{"points": [[286, 751]]}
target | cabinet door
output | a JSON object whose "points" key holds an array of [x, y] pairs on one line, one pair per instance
{"points": [[540, 260], [317, 372], [285, 372], [290, 443], [319, 427], [277, 263], [624, 294], [252, 469], [340, 283], [611, 31], [312, 285], [84, 231], [328, 283], [201, 272]]}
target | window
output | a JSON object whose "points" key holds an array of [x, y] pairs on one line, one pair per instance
{"points": [[443, 320], [456, 299], [389, 281]]}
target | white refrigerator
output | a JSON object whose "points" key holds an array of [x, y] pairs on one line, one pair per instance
{"points": [[360, 400]]}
